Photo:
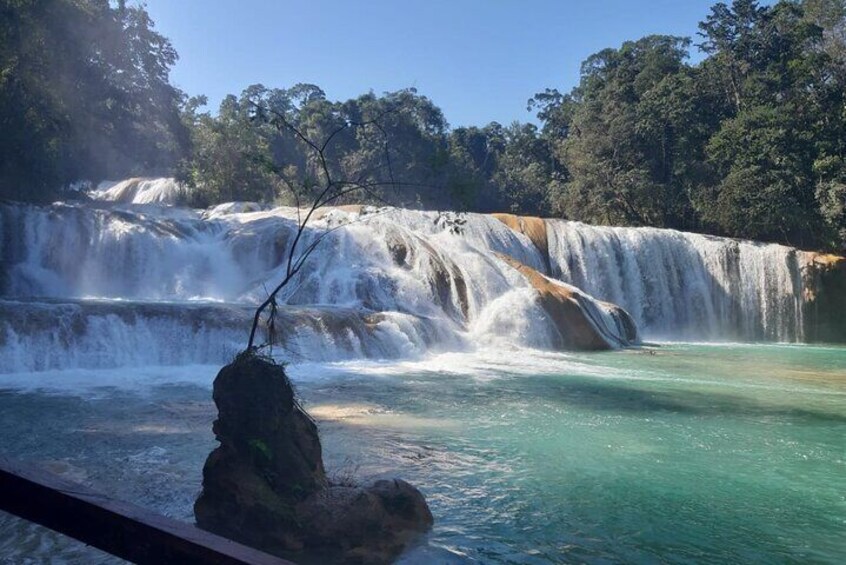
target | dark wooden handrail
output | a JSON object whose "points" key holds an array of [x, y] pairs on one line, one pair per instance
{"points": [[116, 527]]}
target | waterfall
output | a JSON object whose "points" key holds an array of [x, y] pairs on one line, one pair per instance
{"points": [[680, 285], [98, 334], [142, 191], [100, 284]]}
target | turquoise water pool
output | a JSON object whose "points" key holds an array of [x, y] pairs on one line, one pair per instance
{"points": [[678, 453]]}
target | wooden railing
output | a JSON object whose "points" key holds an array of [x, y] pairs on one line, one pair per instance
{"points": [[116, 527]]}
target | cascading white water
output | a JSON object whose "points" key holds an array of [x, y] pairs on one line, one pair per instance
{"points": [[103, 284], [142, 191], [97, 334], [680, 285], [390, 283]]}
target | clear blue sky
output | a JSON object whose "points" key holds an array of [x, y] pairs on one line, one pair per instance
{"points": [[478, 60]]}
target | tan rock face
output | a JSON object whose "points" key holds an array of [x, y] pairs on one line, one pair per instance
{"points": [[571, 315], [824, 310], [532, 227]]}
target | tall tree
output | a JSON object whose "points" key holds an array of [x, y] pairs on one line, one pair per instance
{"points": [[751, 142], [776, 153], [620, 131]]}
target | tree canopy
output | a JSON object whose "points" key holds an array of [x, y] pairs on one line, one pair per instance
{"points": [[748, 142], [84, 94]]}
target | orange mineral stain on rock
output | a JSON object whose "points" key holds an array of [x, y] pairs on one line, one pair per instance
{"points": [[563, 306], [532, 227]]}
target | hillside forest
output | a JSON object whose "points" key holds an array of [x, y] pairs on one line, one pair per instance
{"points": [[749, 141]]}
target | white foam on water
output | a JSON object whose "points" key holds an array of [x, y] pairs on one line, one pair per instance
{"points": [[101, 383]]}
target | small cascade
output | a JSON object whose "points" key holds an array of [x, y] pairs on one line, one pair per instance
{"points": [[73, 250], [142, 191], [98, 334], [680, 285]]}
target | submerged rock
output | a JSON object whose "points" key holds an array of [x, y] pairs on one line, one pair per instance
{"points": [[266, 486]]}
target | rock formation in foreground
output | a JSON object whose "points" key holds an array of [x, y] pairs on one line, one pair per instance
{"points": [[265, 485]]}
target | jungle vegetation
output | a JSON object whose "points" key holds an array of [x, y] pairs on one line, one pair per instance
{"points": [[750, 141]]}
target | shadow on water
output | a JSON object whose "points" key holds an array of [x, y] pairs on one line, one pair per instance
{"points": [[589, 393], [615, 396]]}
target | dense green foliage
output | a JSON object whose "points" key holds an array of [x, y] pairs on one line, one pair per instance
{"points": [[84, 94], [748, 142], [409, 155]]}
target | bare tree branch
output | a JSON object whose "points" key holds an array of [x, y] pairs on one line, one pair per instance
{"points": [[329, 192]]}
